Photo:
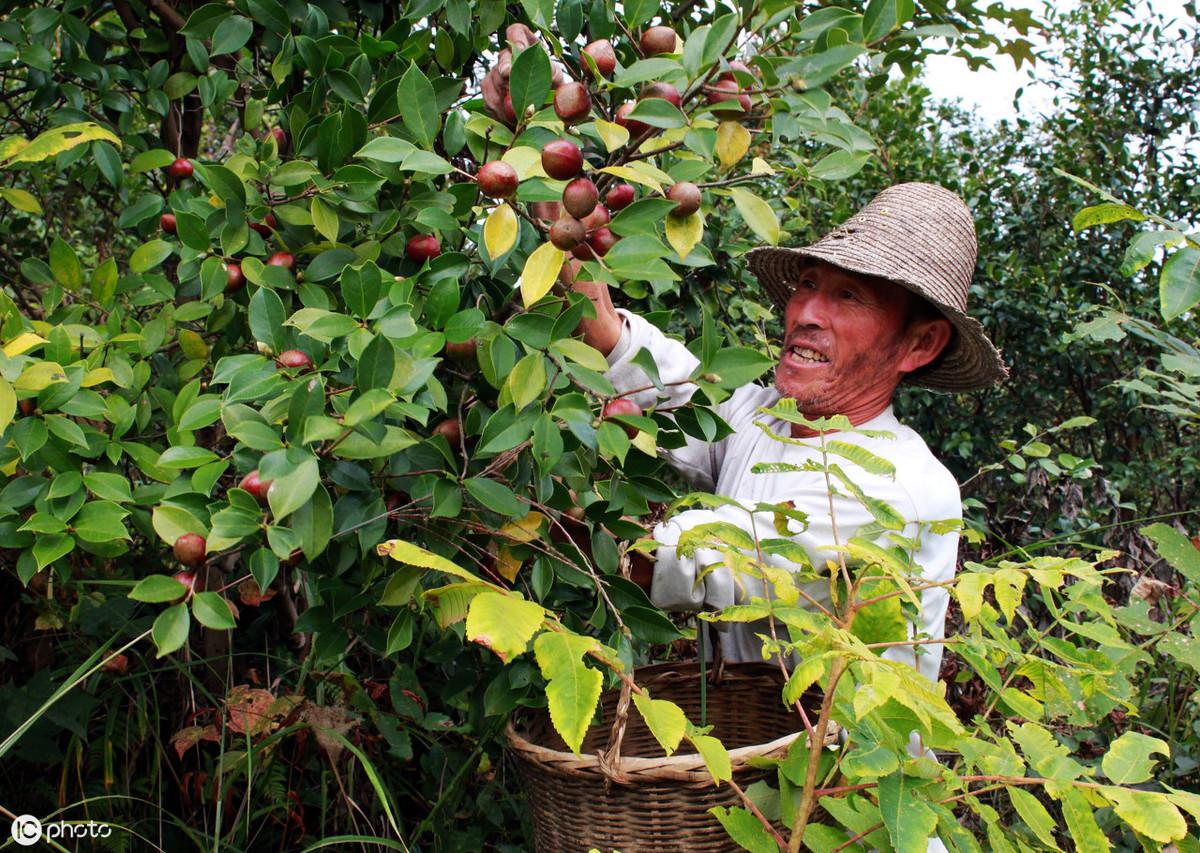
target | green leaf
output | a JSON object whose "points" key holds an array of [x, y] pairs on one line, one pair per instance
{"points": [[716, 757], [325, 219], [1034, 814], [503, 622], [757, 214], [659, 113], [158, 588], [22, 200], [100, 521], [1103, 214], [745, 829], [1081, 822], [186, 457], [291, 491], [231, 34], [149, 255], [1179, 284], [736, 366], [665, 720], [527, 380], [65, 264], [418, 106], [172, 521], [572, 688], [529, 79], [496, 496], [47, 549], [909, 820], [314, 523], [883, 16], [1176, 549], [1128, 760], [212, 611], [1151, 814], [839, 165], [170, 630]]}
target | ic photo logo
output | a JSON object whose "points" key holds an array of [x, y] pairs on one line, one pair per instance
{"points": [[27, 830]]}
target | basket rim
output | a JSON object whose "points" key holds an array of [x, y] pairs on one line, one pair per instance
{"points": [[689, 767]]}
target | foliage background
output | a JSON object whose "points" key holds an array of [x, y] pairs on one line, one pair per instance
{"points": [[336, 653]]}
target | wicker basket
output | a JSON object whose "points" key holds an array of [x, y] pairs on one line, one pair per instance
{"points": [[657, 803]]}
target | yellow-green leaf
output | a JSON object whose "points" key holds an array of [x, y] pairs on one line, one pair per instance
{"points": [[802, 678], [613, 135], [1081, 821], [8, 404], [62, 139], [541, 270], [23, 343], [1034, 814], [733, 141], [503, 622], [527, 380], [64, 263], [192, 344], [625, 173], [325, 219], [757, 213], [102, 374], [21, 199], [1128, 760], [716, 757], [149, 255], [664, 719], [1151, 814], [500, 230], [40, 375], [572, 688], [526, 160], [684, 232], [415, 555], [759, 166]]}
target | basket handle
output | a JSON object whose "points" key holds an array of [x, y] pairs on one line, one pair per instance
{"points": [[610, 759]]}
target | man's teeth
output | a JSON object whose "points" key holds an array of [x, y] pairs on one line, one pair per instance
{"points": [[808, 355]]}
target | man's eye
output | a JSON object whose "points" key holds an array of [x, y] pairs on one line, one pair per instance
{"points": [[849, 294]]}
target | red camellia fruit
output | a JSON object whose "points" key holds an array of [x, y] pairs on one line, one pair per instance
{"points": [[658, 40], [686, 196], [281, 138], [266, 226], [562, 159], [601, 51], [188, 579], [567, 233], [294, 358], [597, 218], [736, 65], [497, 179], [181, 168], [422, 247], [572, 103], [462, 352], [282, 259], [189, 549], [579, 197], [451, 430], [167, 223], [635, 127], [665, 91], [622, 406], [601, 240], [255, 486], [619, 197], [727, 90], [234, 278]]}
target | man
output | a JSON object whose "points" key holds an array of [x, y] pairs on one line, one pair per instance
{"points": [[878, 301]]}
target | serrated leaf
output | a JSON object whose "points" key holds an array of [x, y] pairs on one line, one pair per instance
{"points": [[684, 232], [1103, 214], [1151, 814], [1176, 549], [745, 829], [500, 230], [572, 688], [665, 720], [733, 141], [415, 555], [716, 757], [757, 214], [1081, 821], [1034, 814], [503, 623], [1179, 283], [540, 272]]}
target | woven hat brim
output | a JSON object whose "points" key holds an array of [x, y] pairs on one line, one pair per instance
{"points": [[969, 362]]}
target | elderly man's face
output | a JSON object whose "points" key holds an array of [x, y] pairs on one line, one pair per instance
{"points": [[848, 341]]}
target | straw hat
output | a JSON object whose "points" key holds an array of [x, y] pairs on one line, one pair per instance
{"points": [[922, 237]]}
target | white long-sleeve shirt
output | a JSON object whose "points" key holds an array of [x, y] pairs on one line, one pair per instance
{"points": [[922, 491]]}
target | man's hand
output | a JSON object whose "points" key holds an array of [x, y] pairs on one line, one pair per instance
{"points": [[603, 332], [495, 82]]}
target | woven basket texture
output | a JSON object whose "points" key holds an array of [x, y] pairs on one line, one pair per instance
{"points": [[647, 801]]}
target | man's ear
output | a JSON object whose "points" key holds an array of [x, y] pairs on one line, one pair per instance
{"points": [[925, 341]]}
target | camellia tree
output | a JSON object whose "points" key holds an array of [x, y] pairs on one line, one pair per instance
{"points": [[283, 327]]}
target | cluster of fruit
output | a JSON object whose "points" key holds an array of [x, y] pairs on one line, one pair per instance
{"points": [[582, 227]]}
